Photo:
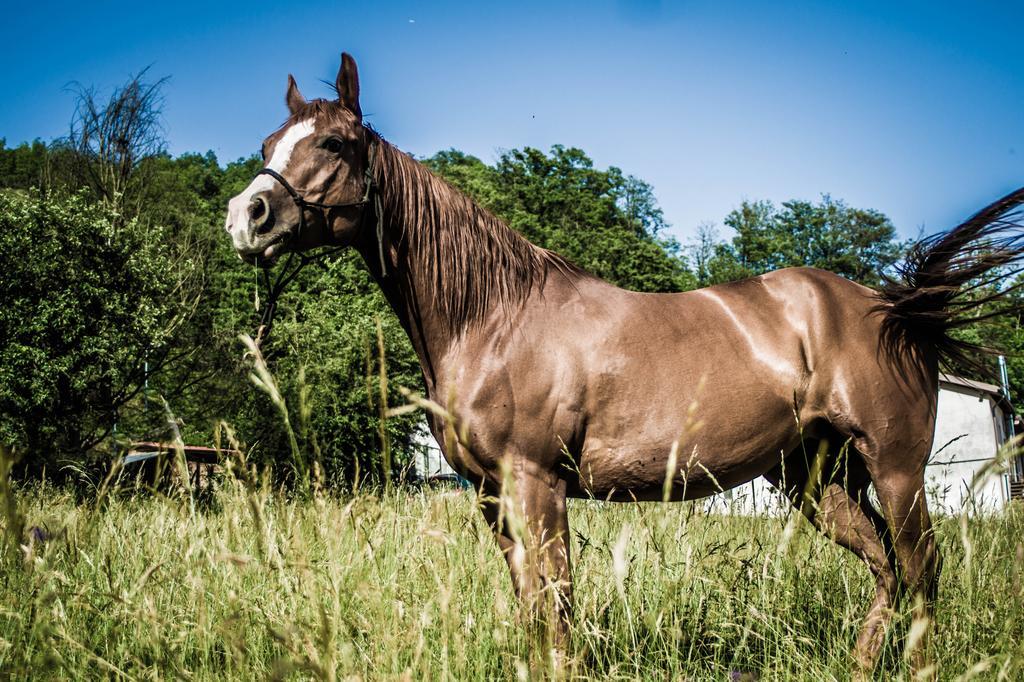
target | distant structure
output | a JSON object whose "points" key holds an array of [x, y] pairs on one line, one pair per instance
{"points": [[428, 463], [153, 463], [974, 420]]}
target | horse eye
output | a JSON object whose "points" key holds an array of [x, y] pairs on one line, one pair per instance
{"points": [[333, 145]]}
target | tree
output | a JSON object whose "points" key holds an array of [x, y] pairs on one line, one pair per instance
{"points": [[702, 253], [113, 138], [23, 166], [85, 304], [859, 244], [328, 366]]}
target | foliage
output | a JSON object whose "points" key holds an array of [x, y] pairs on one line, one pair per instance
{"points": [[88, 298], [325, 331], [855, 243], [24, 166], [325, 356]]}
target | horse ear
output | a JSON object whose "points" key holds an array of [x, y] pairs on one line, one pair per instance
{"points": [[293, 98], [347, 84]]}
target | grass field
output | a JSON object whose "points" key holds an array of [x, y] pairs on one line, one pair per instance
{"points": [[410, 585]]}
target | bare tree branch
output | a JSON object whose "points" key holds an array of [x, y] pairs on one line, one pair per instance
{"points": [[112, 138]]}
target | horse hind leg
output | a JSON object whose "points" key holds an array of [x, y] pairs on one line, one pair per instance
{"points": [[843, 513], [899, 483]]}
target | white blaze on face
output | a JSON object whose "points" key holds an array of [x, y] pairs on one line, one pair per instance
{"points": [[237, 221]]}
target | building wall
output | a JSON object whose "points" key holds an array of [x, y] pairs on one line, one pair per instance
{"points": [[758, 497], [968, 432], [429, 461]]}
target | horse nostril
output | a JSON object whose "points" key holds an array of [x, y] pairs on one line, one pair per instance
{"points": [[259, 212]]}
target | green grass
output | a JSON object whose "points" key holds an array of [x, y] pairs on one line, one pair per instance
{"points": [[411, 585]]}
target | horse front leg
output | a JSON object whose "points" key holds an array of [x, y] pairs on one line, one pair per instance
{"points": [[529, 519]]}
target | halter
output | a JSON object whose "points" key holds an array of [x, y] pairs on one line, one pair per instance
{"points": [[287, 273]]}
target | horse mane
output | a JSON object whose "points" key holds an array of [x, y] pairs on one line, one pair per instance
{"points": [[473, 260]]}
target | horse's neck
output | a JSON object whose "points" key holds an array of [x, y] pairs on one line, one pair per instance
{"points": [[405, 291], [408, 285], [449, 265]]}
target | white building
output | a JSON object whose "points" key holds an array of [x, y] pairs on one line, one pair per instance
{"points": [[429, 463], [970, 428]]}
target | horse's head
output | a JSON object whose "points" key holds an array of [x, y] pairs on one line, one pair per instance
{"points": [[314, 187]]}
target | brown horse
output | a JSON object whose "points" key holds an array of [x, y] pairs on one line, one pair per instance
{"points": [[566, 386]]}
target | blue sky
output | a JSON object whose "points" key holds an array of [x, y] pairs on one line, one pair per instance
{"points": [[915, 109]]}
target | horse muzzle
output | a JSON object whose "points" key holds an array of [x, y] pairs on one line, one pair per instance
{"points": [[259, 231]]}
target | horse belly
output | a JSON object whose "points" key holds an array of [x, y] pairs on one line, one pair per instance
{"points": [[714, 449]]}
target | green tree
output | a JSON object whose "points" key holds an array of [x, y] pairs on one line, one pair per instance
{"points": [[24, 166], [88, 300], [859, 244], [326, 357]]}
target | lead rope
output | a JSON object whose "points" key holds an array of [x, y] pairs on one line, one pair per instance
{"points": [[256, 284], [380, 233]]}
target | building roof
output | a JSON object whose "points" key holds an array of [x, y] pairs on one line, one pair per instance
{"points": [[980, 387], [970, 383]]}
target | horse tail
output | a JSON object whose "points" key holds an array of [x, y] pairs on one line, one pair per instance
{"points": [[954, 279]]}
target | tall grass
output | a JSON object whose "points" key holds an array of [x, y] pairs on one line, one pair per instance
{"points": [[252, 582], [410, 584]]}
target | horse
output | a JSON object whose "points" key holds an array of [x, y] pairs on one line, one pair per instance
{"points": [[558, 384]]}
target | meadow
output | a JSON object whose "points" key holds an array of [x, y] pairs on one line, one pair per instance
{"points": [[403, 584]]}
